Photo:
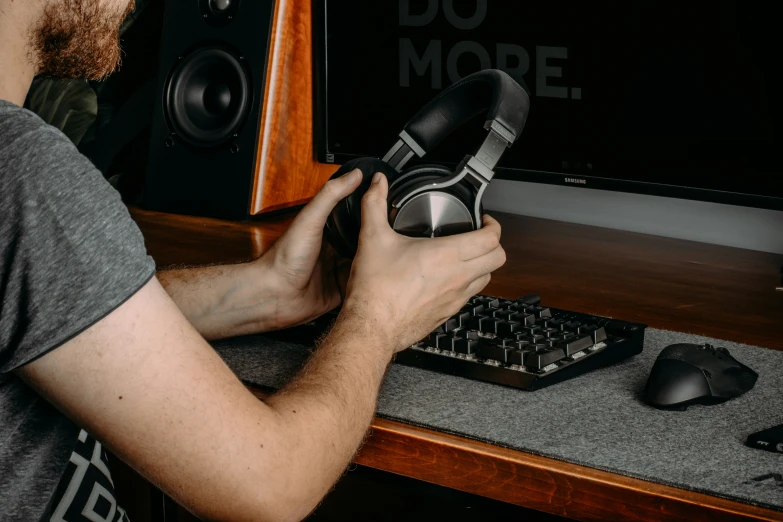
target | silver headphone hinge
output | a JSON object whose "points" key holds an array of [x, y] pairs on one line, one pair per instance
{"points": [[476, 171], [402, 151], [495, 144], [410, 142]]}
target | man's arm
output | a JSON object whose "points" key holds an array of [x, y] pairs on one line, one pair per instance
{"points": [[296, 280], [146, 384], [223, 301]]}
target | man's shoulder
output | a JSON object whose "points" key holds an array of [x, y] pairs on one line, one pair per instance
{"points": [[18, 125], [35, 155]]}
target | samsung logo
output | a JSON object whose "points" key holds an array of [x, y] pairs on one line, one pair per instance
{"points": [[576, 180]]}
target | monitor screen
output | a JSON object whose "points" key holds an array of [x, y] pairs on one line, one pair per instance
{"points": [[670, 98]]}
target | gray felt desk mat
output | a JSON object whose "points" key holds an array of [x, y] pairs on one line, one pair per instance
{"points": [[596, 420]]}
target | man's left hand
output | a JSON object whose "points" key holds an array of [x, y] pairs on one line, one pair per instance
{"points": [[305, 276]]}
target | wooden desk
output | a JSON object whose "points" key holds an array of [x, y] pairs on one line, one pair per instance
{"points": [[721, 292]]}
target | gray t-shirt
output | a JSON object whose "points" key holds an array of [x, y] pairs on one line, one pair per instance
{"points": [[69, 254]]}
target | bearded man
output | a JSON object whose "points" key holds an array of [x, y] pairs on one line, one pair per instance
{"points": [[97, 349]]}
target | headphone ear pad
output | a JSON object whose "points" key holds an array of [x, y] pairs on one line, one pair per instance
{"points": [[344, 222], [333, 229]]}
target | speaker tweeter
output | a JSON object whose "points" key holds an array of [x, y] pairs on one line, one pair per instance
{"points": [[219, 12]]}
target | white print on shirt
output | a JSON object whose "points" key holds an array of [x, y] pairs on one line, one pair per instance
{"points": [[89, 495]]}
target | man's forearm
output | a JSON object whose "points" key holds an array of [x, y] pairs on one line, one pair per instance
{"points": [[326, 410], [220, 301]]}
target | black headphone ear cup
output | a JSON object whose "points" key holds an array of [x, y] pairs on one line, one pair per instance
{"points": [[344, 222], [332, 229], [335, 239]]}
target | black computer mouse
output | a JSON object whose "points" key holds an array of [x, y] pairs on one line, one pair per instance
{"points": [[686, 374]]}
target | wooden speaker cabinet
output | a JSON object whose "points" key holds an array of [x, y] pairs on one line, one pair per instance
{"points": [[232, 131]]}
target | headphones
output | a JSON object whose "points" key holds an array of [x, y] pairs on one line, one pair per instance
{"points": [[431, 200]]}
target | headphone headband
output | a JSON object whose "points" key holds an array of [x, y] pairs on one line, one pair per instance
{"points": [[492, 91]]}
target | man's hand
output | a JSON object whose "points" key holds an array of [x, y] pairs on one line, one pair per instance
{"points": [[296, 280], [411, 285], [406, 287], [306, 278]]}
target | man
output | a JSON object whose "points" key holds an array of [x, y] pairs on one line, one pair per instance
{"points": [[94, 344]]}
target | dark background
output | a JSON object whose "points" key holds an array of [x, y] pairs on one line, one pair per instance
{"points": [[681, 94]]}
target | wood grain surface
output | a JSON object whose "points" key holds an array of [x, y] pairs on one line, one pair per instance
{"points": [[540, 483], [722, 292], [287, 173], [679, 285]]}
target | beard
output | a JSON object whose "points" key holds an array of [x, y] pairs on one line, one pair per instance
{"points": [[79, 39]]}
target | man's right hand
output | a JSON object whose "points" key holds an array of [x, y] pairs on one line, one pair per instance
{"points": [[406, 287]]}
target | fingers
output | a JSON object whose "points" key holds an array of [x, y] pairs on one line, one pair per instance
{"points": [[489, 221], [374, 208], [486, 264], [313, 215], [478, 285], [478, 242]]}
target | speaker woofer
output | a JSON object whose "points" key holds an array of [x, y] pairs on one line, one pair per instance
{"points": [[207, 97]]}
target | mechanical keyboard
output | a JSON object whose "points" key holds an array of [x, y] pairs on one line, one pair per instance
{"points": [[522, 343], [519, 343]]}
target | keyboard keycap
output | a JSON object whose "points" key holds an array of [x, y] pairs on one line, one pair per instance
{"points": [[490, 325], [555, 323], [573, 326], [541, 311], [438, 340], [518, 357], [475, 322], [529, 320], [501, 314], [450, 325], [543, 358], [599, 335], [551, 332], [508, 327], [495, 352], [466, 346], [462, 318], [576, 345]]}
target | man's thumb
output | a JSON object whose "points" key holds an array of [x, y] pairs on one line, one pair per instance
{"points": [[374, 208]]}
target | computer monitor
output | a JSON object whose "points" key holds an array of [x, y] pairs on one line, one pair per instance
{"points": [[675, 99]]}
